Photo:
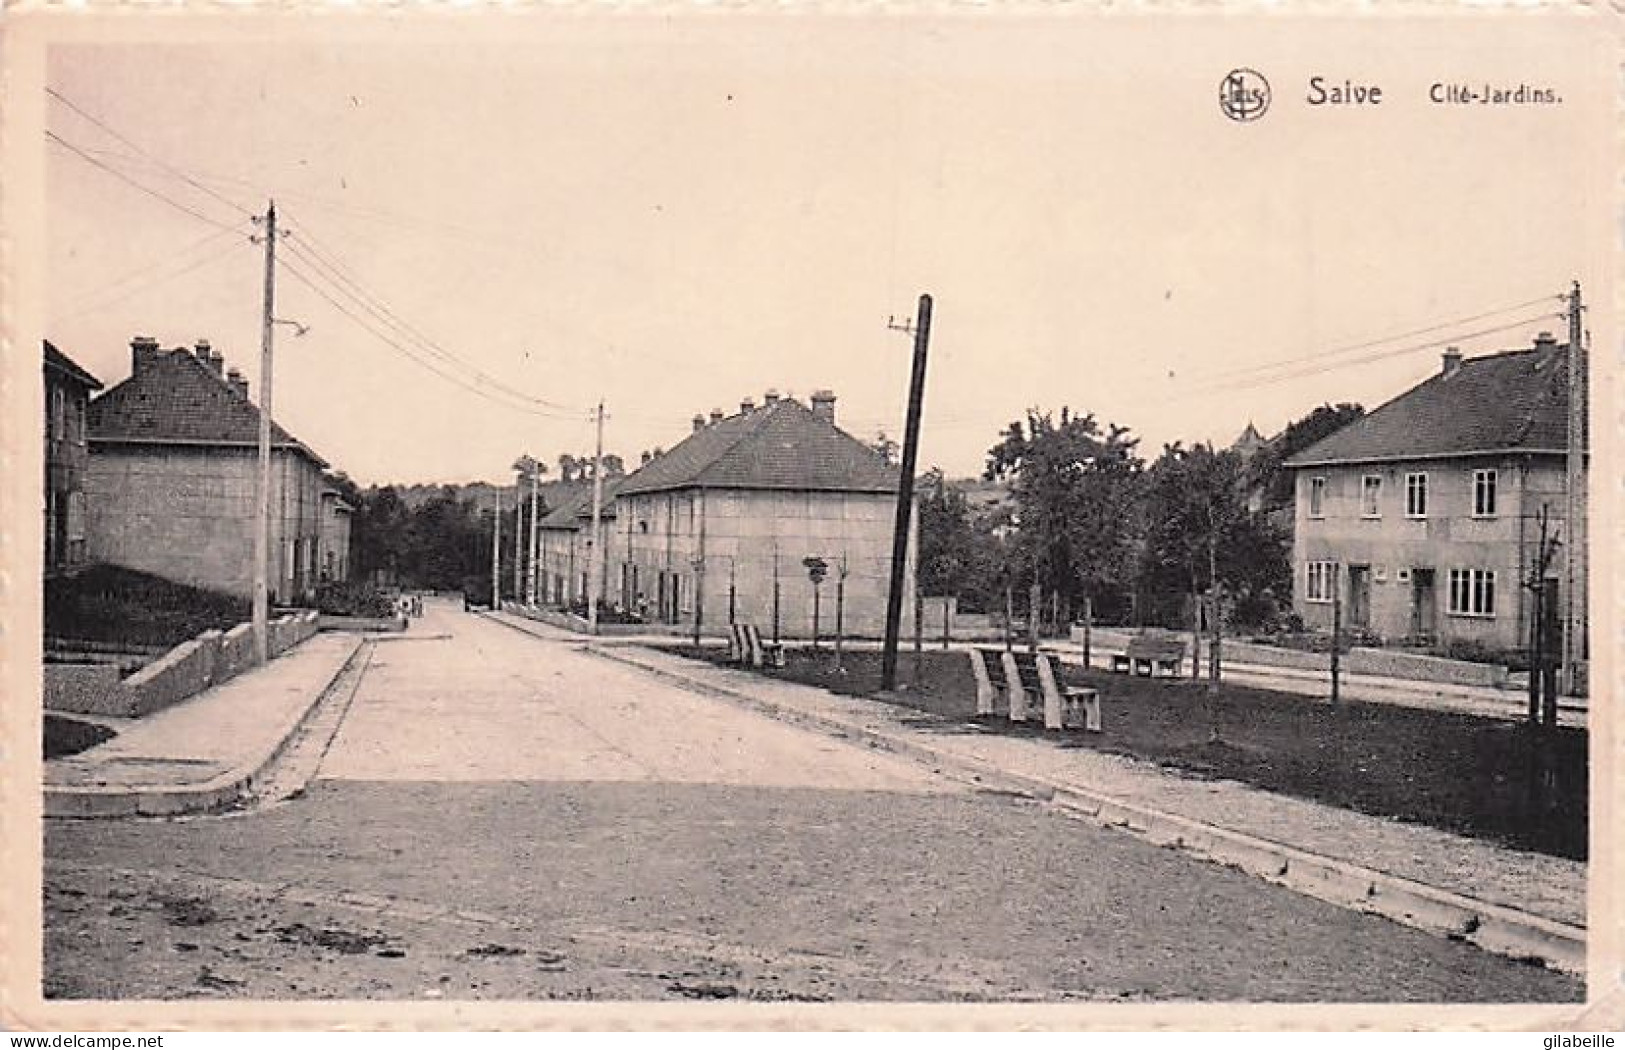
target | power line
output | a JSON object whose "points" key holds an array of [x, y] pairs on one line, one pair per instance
{"points": [[340, 276], [494, 395], [88, 159], [166, 165], [1237, 383], [1321, 355], [156, 279]]}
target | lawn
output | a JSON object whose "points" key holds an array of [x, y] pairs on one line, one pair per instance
{"points": [[1473, 776], [105, 603]]}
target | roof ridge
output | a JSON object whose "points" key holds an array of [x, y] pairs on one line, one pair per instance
{"points": [[744, 432]]}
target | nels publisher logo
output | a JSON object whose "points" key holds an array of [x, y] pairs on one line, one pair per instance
{"points": [[1244, 95]]}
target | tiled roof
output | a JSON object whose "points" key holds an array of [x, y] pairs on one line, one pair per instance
{"points": [[177, 399], [1508, 402], [576, 509], [776, 446], [56, 359]]}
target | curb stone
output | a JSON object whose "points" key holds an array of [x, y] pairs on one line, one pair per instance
{"points": [[219, 792], [1494, 928]]}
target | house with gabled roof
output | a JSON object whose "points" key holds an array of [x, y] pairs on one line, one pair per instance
{"points": [[722, 526], [173, 477], [67, 454], [565, 538], [1424, 515]]}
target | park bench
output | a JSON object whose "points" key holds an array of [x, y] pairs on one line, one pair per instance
{"points": [[1020, 677], [745, 645], [1149, 653]]}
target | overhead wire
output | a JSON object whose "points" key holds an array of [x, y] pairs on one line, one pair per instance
{"points": [[166, 165], [496, 395], [153, 274], [89, 159]]}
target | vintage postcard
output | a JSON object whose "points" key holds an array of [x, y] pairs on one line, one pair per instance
{"points": [[947, 516]]}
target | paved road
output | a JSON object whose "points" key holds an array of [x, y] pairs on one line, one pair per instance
{"points": [[502, 816]]}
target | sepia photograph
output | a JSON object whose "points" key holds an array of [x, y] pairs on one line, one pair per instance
{"points": [[976, 515]]}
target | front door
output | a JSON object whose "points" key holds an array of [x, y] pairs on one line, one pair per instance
{"points": [[1359, 596], [1424, 605]]}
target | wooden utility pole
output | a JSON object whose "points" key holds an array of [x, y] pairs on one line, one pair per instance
{"points": [[840, 611], [532, 576], [1574, 552], [519, 536], [1337, 626], [905, 495], [496, 550], [595, 553], [262, 495], [1214, 630]]}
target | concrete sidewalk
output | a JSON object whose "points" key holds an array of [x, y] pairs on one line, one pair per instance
{"points": [[204, 752], [1515, 903]]}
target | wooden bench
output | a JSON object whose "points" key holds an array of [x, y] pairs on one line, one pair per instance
{"points": [[1020, 677], [1149, 653], [745, 645]]}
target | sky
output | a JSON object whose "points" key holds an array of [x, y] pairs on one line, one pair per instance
{"points": [[675, 212]]}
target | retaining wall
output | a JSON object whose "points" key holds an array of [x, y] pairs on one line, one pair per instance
{"points": [[1379, 663], [189, 668]]}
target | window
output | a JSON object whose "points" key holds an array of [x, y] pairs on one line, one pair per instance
{"points": [[1416, 495], [1319, 587], [1472, 592], [59, 413], [1371, 496], [1317, 497], [1483, 493]]}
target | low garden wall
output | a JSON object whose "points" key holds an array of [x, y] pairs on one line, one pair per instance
{"points": [[209, 659], [1378, 663], [326, 622]]}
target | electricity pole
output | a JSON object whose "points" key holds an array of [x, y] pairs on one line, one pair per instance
{"points": [[496, 550], [262, 496], [533, 576], [905, 493], [1574, 555], [595, 557]]}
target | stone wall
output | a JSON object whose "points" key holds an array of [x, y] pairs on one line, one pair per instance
{"points": [[186, 670], [1380, 663]]}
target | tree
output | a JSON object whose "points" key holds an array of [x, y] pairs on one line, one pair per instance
{"points": [[1264, 472], [958, 553], [1076, 489]]}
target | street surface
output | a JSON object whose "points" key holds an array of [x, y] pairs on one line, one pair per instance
{"points": [[502, 816]]}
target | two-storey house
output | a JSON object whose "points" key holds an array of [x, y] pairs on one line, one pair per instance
{"points": [[722, 525], [1423, 517], [173, 478], [67, 455]]}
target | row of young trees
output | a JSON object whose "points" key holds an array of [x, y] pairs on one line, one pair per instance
{"points": [[1089, 520]]}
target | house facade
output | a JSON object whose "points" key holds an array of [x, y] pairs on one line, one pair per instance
{"points": [[333, 540], [1424, 518], [722, 526], [564, 559], [173, 478], [67, 456]]}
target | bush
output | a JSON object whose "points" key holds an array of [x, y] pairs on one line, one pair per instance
{"points": [[113, 604], [353, 599], [1479, 653]]}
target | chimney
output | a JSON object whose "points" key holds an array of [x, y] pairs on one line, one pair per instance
{"points": [[143, 353], [1452, 360], [238, 384], [823, 405], [771, 397], [644, 460], [1544, 343], [699, 422], [209, 357], [716, 415], [747, 405]]}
